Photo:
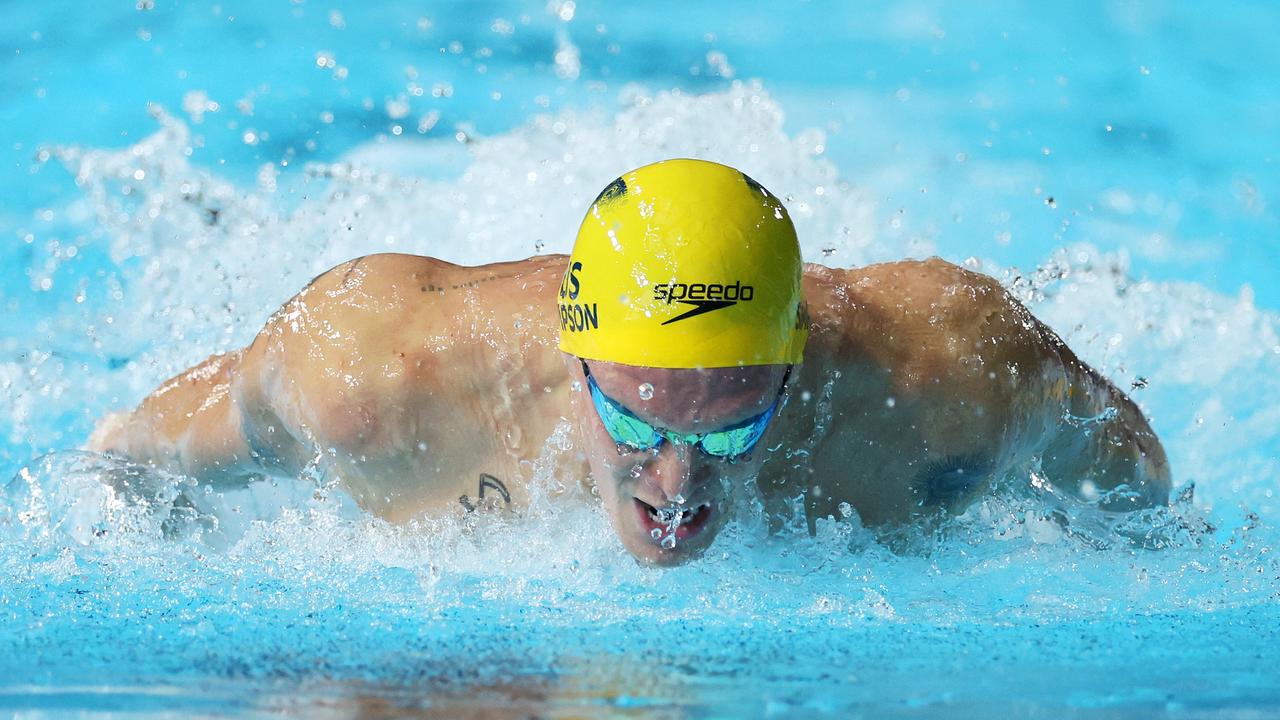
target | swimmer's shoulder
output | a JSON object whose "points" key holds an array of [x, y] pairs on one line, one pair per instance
{"points": [[928, 314], [402, 276], [905, 282], [905, 291], [404, 304]]}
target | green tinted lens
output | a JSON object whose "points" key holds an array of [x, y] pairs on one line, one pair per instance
{"points": [[736, 441], [621, 425], [627, 429]]}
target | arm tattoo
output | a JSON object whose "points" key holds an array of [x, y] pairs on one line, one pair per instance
{"points": [[487, 482]]}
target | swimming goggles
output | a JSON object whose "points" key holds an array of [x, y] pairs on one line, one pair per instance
{"points": [[633, 434]]}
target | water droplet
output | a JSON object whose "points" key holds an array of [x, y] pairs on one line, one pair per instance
{"points": [[646, 391], [1088, 490], [828, 251]]}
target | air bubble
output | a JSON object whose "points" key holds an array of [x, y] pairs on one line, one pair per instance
{"points": [[646, 391]]}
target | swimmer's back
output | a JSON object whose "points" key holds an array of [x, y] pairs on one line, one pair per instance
{"points": [[410, 369]]}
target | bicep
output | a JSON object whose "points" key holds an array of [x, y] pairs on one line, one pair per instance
{"points": [[1103, 442], [191, 424], [214, 446], [1095, 439]]}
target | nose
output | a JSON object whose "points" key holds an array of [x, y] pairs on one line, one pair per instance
{"points": [[672, 471]]}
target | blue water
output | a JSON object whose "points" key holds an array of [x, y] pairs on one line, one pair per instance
{"points": [[171, 174]]}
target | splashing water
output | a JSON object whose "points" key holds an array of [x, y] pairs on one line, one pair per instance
{"points": [[293, 593]]}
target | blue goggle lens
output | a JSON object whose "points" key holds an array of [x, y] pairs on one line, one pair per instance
{"points": [[635, 434], [623, 427]]}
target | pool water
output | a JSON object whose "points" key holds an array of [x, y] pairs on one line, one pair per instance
{"points": [[172, 172]]}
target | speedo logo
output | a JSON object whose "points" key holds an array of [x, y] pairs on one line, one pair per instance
{"points": [[704, 297]]}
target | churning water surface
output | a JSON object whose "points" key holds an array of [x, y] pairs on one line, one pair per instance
{"points": [[1118, 186]]}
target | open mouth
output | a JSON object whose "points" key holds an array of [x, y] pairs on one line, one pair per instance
{"points": [[683, 522]]}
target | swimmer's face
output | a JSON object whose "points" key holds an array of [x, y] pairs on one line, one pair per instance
{"points": [[644, 491]]}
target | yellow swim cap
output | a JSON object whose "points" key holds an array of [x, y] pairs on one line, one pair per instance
{"points": [[684, 264]]}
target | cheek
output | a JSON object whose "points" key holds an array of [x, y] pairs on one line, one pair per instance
{"points": [[590, 429], [733, 476], [608, 469], [611, 472]]}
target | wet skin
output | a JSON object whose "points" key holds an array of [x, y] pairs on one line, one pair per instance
{"points": [[432, 388], [632, 484]]}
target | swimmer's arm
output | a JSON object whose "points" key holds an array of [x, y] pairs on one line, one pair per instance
{"points": [[1094, 438], [1103, 441], [219, 422], [192, 425]]}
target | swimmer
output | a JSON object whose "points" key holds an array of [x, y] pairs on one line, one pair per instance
{"points": [[683, 356]]}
